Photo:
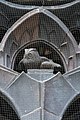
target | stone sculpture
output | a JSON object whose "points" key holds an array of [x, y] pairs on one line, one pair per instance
{"points": [[32, 60]]}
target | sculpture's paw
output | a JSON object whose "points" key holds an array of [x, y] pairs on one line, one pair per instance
{"points": [[49, 65], [56, 65], [46, 65]]}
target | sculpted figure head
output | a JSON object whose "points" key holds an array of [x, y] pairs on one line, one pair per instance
{"points": [[31, 53]]}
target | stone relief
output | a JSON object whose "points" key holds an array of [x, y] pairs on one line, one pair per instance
{"points": [[32, 60]]}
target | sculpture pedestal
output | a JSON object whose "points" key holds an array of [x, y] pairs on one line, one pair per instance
{"points": [[40, 74]]}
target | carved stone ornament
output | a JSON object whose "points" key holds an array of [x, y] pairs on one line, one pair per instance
{"points": [[32, 60]]}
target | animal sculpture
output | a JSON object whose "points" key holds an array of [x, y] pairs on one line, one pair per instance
{"points": [[32, 60]]}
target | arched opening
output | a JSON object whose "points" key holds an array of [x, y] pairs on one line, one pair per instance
{"points": [[73, 110], [45, 49], [54, 31], [63, 30], [7, 110]]}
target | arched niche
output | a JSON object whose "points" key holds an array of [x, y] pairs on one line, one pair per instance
{"points": [[44, 48], [33, 18], [8, 110], [73, 110], [48, 26]]}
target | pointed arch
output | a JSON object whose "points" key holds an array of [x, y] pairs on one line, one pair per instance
{"points": [[31, 13]]}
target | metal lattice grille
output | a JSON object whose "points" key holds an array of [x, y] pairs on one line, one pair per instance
{"points": [[73, 111], [41, 2], [6, 111]]}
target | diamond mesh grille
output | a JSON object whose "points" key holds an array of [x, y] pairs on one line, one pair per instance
{"points": [[6, 111], [73, 111]]}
